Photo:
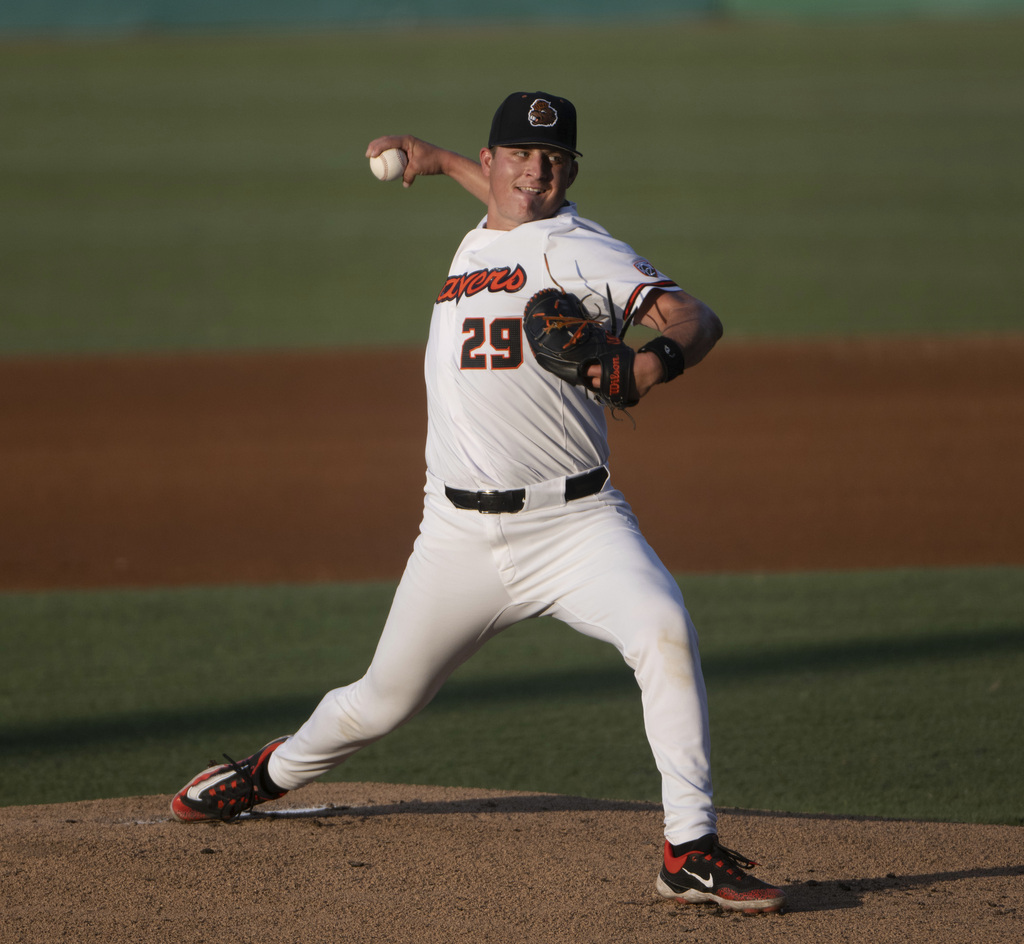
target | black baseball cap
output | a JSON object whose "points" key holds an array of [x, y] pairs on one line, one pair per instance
{"points": [[535, 118]]}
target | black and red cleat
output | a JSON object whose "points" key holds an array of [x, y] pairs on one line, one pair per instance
{"points": [[710, 873], [223, 791]]}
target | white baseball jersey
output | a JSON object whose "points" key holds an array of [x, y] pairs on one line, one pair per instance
{"points": [[497, 420]]}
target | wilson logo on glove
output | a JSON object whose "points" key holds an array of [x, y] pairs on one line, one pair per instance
{"points": [[614, 378]]}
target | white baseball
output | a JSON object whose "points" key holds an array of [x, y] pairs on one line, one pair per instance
{"points": [[389, 164]]}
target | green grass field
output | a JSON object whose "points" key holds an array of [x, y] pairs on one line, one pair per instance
{"points": [[891, 693], [190, 192]]}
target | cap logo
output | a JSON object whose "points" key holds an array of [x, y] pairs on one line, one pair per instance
{"points": [[542, 115]]}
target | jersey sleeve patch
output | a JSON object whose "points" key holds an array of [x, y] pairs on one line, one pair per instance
{"points": [[645, 268]]}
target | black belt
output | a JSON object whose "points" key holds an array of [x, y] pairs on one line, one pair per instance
{"points": [[496, 503]]}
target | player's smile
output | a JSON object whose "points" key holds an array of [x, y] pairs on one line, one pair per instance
{"points": [[526, 183]]}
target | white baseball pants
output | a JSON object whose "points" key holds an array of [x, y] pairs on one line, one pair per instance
{"points": [[472, 575]]}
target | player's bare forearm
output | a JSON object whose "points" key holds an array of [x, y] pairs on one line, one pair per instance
{"points": [[684, 319], [427, 159], [468, 174]]}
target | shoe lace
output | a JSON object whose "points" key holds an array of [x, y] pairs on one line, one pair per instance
{"points": [[731, 860], [248, 801]]}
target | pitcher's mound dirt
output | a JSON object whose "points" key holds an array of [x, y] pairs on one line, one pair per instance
{"points": [[374, 863]]}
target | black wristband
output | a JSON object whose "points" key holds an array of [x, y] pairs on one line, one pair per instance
{"points": [[669, 353]]}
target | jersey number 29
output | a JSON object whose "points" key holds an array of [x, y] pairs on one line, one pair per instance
{"points": [[506, 339]]}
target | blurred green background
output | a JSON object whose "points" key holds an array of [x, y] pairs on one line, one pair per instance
{"points": [[186, 192]]}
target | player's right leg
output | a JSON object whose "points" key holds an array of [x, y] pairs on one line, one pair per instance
{"points": [[449, 602], [435, 624], [447, 605]]}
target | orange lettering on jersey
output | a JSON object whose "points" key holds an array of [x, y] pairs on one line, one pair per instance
{"points": [[475, 282], [504, 279]]}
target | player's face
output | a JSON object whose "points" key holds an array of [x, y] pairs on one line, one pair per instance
{"points": [[526, 183]]}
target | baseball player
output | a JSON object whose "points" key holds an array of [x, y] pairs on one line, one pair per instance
{"points": [[520, 516]]}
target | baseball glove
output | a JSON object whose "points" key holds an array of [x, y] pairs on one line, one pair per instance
{"points": [[566, 340]]}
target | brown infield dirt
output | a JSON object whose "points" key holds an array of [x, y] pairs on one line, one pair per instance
{"points": [[251, 468]]}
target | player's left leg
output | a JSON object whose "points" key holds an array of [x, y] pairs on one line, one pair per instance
{"points": [[592, 564], [609, 584], [638, 608]]}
